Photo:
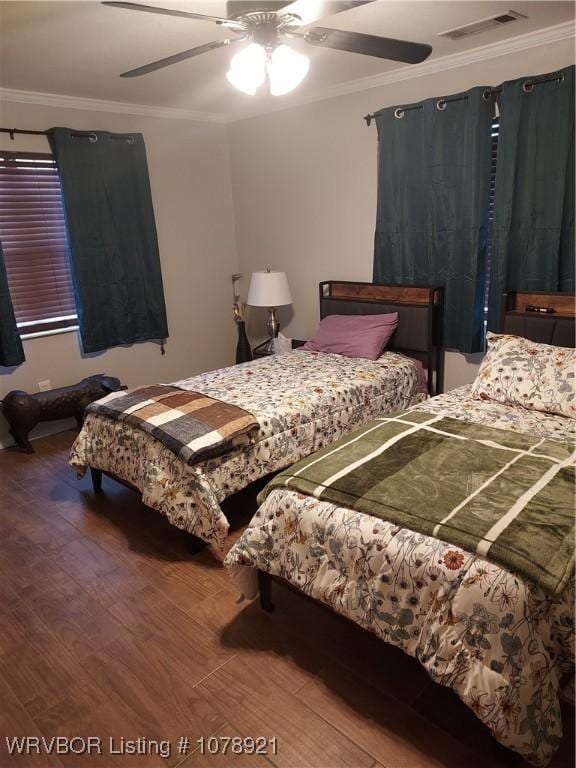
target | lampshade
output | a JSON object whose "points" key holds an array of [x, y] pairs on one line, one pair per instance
{"points": [[269, 289]]}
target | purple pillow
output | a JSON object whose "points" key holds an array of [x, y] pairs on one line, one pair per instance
{"points": [[354, 335]]}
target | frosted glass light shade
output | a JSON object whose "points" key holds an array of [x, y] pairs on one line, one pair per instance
{"points": [[269, 289], [286, 70], [248, 69], [284, 67]]}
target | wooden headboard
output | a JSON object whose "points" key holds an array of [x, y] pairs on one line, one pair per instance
{"points": [[419, 308], [557, 327]]}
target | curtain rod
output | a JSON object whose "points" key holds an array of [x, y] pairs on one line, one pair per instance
{"points": [[76, 135], [13, 131], [527, 87]]}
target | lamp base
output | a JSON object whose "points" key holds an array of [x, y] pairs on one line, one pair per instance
{"points": [[272, 325], [273, 328]]}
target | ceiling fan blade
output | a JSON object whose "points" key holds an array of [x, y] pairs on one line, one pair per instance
{"points": [[369, 45], [170, 12], [177, 57], [309, 11]]}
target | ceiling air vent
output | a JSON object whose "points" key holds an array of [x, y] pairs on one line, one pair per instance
{"points": [[484, 25]]}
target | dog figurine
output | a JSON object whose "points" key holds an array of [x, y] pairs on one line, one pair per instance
{"points": [[24, 411]]}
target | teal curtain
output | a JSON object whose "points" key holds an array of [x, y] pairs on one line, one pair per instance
{"points": [[433, 189], [534, 203], [113, 242], [11, 350]]}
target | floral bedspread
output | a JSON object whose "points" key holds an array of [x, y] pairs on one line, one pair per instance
{"points": [[459, 404], [499, 642], [302, 401]]}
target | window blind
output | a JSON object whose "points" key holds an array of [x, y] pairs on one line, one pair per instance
{"points": [[35, 242], [495, 132]]}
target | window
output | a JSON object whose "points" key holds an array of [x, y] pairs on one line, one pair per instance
{"points": [[35, 243]]}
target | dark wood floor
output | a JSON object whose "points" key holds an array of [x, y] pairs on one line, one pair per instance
{"points": [[109, 628]]}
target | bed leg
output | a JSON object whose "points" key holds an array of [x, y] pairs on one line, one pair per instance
{"points": [[193, 544], [265, 587], [504, 757], [96, 475]]}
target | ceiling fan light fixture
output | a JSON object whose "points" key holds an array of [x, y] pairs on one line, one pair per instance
{"points": [[265, 23], [248, 69], [286, 69]]}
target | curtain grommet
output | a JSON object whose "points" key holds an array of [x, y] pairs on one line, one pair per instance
{"points": [[130, 140], [561, 77], [486, 94], [528, 86], [441, 105], [399, 113], [92, 138]]}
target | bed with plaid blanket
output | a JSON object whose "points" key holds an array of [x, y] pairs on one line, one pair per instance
{"points": [[508, 497], [191, 425]]}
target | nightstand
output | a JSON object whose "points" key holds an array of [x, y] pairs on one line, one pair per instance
{"points": [[260, 351]]}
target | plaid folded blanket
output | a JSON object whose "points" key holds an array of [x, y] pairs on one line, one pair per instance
{"points": [[191, 425], [506, 496]]}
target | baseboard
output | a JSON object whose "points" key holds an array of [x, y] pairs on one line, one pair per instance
{"points": [[44, 430]]}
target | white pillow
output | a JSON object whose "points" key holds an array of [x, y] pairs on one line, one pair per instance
{"points": [[517, 371]]}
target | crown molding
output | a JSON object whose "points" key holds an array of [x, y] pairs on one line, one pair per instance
{"points": [[99, 105], [539, 37]]}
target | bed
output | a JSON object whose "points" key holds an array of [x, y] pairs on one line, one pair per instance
{"points": [[302, 401], [498, 639]]}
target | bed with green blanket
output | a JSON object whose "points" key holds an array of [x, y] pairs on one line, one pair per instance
{"points": [[486, 490], [448, 531]]}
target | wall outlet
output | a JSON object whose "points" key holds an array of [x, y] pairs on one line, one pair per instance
{"points": [[44, 386]]}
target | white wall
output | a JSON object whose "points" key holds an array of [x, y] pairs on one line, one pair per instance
{"points": [[298, 193], [190, 180], [304, 185]]}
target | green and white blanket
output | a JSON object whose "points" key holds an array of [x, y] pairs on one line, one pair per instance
{"points": [[508, 497]]}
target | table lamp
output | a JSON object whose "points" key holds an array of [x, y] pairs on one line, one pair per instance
{"points": [[269, 289]]}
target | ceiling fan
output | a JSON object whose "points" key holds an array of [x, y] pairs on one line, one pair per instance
{"points": [[264, 25]]}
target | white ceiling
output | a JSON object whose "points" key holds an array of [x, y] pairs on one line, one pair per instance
{"points": [[80, 48]]}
